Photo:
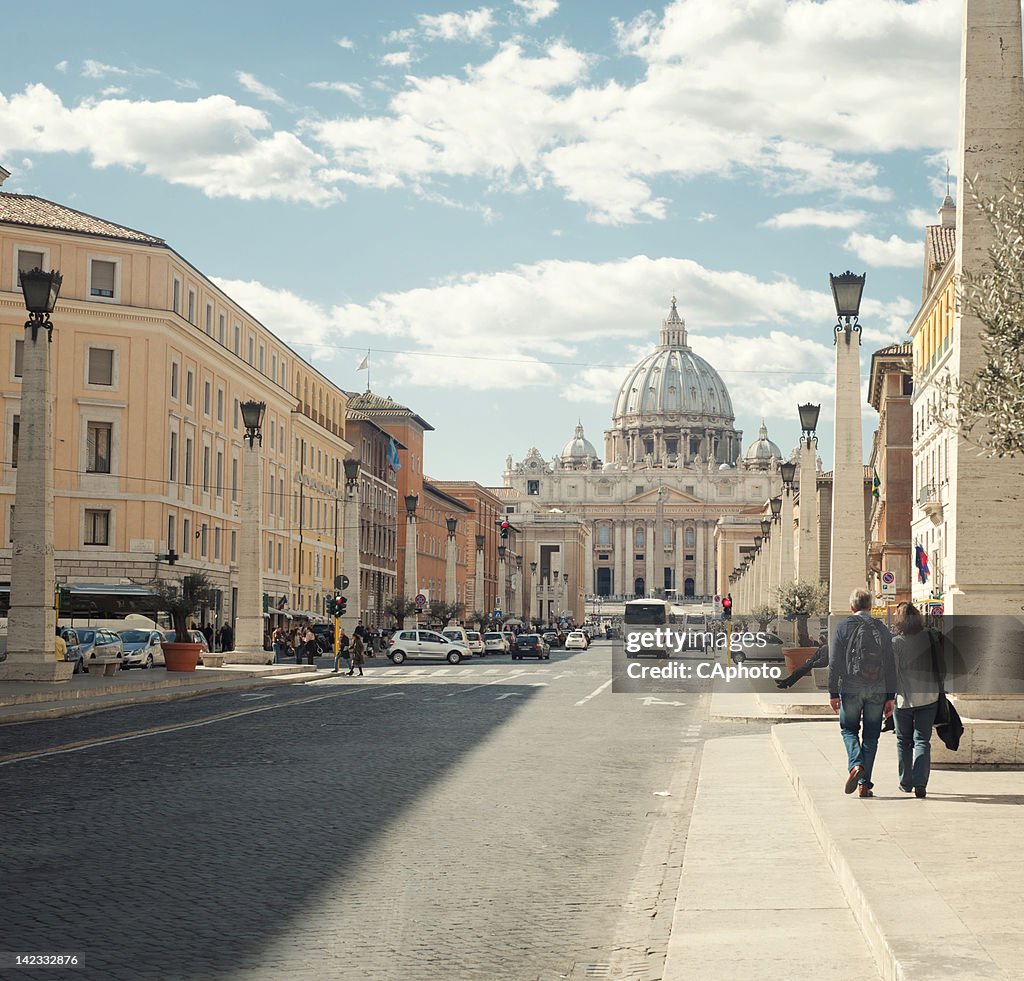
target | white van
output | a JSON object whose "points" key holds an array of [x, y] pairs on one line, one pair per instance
{"points": [[457, 635]]}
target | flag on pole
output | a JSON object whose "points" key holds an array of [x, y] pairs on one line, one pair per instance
{"points": [[876, 484], [393, 462], [921, 561], [364, 365]]}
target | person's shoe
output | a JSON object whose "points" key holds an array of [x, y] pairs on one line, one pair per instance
{"points": [[920, 792], [851, 780], [335, 671], [865, 791], [782, 684], [906, 790]]}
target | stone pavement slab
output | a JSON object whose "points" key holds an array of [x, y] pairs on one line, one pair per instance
{"points": [[757, 898], [935, 884]]}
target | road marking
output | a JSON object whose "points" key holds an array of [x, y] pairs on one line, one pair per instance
{"points": [[496, 681], [650, 700], [253, 695], [507, 694], [583, 701], [440, 671], [390, 694]]}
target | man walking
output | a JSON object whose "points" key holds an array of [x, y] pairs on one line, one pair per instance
{"points": [[861, 687]]}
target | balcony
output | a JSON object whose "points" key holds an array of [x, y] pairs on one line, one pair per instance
{"points": [[929, 502]]}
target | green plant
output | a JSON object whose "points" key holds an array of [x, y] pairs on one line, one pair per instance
{"points": [[183, 600], [800, 599], [445, 613], [481, 618], [764, 615], [400, 607]]}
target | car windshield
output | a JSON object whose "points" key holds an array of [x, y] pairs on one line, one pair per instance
{"points": [[492, 636], [86, 636], [528, 639], [135, 636]]}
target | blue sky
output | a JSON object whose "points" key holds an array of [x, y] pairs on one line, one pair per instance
{"points": [[499, 199]]}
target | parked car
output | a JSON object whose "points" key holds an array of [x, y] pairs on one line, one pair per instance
{"points": [[553, 639], [194, 637], [495, 643], [577, 641], [143, 648], [771, 650], [531, 645], [86, 643], [476, 642], [415, 644]]}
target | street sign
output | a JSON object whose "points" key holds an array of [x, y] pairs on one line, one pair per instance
{"points": [[341, 582], [498, 614], [420, 601], [718, 599], [888, 582]]}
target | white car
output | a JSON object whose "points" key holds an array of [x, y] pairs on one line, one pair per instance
{"points": [[142, 648], [413, 644], [752, 647], [495, 643], [577, 641], [475, 642]]}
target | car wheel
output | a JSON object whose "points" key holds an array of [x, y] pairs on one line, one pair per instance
{"points": [[454, 657], [397, 657], [149, 660], [79, 667]]}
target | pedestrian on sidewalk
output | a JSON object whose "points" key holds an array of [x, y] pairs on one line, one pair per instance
{"points": [[861, 687], [343, 643], [920, 672], [309, 644], [227, 637], [280, 642], [357, 651]]}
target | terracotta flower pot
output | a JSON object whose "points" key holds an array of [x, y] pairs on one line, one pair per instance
{"points": [[181, 657], [797, 657]]}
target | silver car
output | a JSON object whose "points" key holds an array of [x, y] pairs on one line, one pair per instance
{"points": [[142, 648], [424, 644]]}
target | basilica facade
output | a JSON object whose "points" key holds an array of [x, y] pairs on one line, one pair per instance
{"points": [[673, 490]]}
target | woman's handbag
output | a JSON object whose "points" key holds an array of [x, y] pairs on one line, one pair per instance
{"points": [[947, 719]]}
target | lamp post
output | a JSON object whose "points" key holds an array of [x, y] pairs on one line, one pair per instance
{"points": [[249, 627], [449, 561], [808, 561], [480, 599], [565, 585], [534, 589], [411, 582], [765, 562], [849, 541], [521, 586], [32, 617], [502, 595], [351, 558]]}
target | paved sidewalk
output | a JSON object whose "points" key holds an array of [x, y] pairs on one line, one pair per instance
{"points": [[25, 701]]}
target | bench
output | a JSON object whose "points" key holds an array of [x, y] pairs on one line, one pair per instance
{"points": [[213, 660], [820, 676], [103, 665]]}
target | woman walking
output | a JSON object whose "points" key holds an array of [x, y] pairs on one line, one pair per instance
{"points": [[919, 676], [357, 651]]}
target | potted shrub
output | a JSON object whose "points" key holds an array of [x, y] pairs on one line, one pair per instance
{"points": [[799, 600], [182, 601], [763, 616]]}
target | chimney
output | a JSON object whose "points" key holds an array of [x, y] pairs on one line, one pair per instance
{"points": [[4, 174]]}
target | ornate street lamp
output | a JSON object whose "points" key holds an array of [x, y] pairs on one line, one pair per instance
{"points": [[481, 540], [846, 292], [776, 503], [533, 568], [766, 526], [451, 524], [809, 420], [252, 419], [450, 557], [502, 549], [351, 470], [411, 501], [788, 471], [40, 289]]}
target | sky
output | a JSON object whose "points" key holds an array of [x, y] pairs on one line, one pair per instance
{"points": [[498, 200]]}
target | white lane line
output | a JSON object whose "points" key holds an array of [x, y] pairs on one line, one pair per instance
{"points": [[496, 681], [597, 691], [440, 671]]}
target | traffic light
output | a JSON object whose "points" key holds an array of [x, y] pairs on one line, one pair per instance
{"points": [[727, 608], [504, 526], [342, 606]]}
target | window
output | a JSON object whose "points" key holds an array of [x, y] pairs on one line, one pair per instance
{"points": [[273, 366], [234, 479], [220, 473], [202, 540], [189, 385], [101, 366], [207, 396], [263, 353], [220, 405], [236, 414], [252, 343], [15, 433], [209, 318], [234, 545], [604, 535], [186, 536], [273, 433], [10, 525], [206, 469], [216, 543], [29, 259], [220, 328], [173, 462], [171, 540], [176, 296], [533, 487], [98, 448], [174, 379], [188, 462], [19, 358], [102, 276], [191, 306], [238, 339], [638, 537], [97, 527]]}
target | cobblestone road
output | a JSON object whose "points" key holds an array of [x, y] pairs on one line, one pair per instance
{"points": [[484, 822]]}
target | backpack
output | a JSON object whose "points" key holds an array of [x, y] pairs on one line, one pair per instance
{"points": [[864, 651]]}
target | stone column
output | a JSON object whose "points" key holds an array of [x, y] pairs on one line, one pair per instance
{"points": [[785, 532], [32, 618], [412, 583], [479, 600], [449, 570], [628, 578], [680, 557], [771, 572], [699, 581], [619, 573], [350, 558], [249, 624], [849, 546], [589, 586], [650, 581], [807, 556]]}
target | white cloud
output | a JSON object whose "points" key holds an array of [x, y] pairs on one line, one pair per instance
{"points": [[816, 218], [537, 10], [469, 26], [61, 66], [96, 69], [252, 84], [212, 144], [347, 43], [351, 89], [396, 58], [705, 216], [893, 251], [114, 90], [403, 36]]}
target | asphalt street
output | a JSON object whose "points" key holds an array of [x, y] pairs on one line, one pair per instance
{"points": [[490, 820]]}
